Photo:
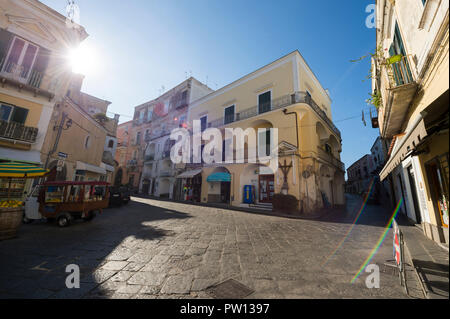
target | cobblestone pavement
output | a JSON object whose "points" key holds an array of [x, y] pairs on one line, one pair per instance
{"points": [[161, 249]]}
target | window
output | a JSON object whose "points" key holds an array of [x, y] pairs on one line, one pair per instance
{"points": [[138, 138], [110, 144], [149, 114], [203, 122], [184, 97], [10, 113], [264, 142], [264, 102], [5, 112], [87, 142], [21, 58], [229, 114], [79, 175]]}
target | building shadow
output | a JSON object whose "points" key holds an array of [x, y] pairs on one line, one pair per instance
{"points": [[33, 265], [435, 275]]}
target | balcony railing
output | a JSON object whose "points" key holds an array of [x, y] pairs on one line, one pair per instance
{"points": [[330, 159], [398, 88], [166, 173], [399, 73], [27, 77], [148, 158], [132, 163], [18, 132], [281, 102]]}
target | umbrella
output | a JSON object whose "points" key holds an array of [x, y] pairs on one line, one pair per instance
{"points": [[21, 170], [12, 170]]}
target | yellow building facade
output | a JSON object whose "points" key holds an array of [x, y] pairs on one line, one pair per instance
{"points": [[34, 76], [283, 95]]}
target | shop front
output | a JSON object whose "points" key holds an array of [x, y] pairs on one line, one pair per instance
{"points": [[189, 185]]}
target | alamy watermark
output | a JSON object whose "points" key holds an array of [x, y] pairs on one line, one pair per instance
{"points": [[261, 146], [373, 279], [371, 18], [73, 279]]}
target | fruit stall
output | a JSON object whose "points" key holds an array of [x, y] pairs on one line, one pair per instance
{"points": [[13, 181]]}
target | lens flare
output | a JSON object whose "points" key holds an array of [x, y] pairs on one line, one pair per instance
{"points": [[353, 224], [380, 241]]}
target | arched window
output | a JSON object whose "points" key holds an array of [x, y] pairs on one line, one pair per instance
{"points": [[110, 144]]}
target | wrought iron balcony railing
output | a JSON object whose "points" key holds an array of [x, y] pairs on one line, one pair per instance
{"points": [[31, 78], [281, 102], [330, 159], [18, 132]]}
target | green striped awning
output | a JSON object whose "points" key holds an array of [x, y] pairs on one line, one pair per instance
{"points": [[21, 170]]}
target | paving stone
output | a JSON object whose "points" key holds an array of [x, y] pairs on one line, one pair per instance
{"points": [[114, 265], [122, 276], [177, 284], [147, 279], [129, 289]]}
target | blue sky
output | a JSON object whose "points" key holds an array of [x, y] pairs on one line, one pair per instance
{"points": [[141, 45]]}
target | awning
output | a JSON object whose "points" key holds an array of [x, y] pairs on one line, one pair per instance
{"points": [[190, 174], [91, 168], [31, 157], [407, 145], [219, 177]]}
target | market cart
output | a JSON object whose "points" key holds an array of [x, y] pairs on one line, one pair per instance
{"points": [[67, 201]]}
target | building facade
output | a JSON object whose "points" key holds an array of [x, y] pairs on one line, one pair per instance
{"points": [[144, 151], [34, 39], [81, 139], [283, 95], [360, 174], [410, 75]]}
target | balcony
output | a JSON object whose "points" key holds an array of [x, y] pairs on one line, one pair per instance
{"points": [[329, 158], [397, 88], [281, 102], [132, 163], [149, 158], [166, 173], [18, 132], [27, 79]]}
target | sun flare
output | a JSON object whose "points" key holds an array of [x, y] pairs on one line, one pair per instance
{"points": [[83, 60]]}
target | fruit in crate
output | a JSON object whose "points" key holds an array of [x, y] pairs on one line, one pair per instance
{"points": [[11, 203]]}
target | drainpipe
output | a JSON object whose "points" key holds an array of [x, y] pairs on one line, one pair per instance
{"points": [[285, 112]]}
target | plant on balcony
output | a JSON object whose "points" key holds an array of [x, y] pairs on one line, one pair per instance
{"points": [[285, 203], [101, 118], [375, 99]]}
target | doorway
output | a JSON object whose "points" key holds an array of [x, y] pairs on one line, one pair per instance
{"points": [[438, 190], [266, 188], [412, 185]]}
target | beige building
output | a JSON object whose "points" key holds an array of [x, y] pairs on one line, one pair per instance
{"points": [[81, 137], [34, 75], [285, 95], [411, 78]]}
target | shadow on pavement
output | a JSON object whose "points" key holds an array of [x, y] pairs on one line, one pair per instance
{"points": [[33, 264]]}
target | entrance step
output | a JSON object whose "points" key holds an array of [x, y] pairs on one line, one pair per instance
{"points": [[261, 206]]}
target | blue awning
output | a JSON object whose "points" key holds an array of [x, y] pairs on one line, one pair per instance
{"points": [[219, 177]]}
